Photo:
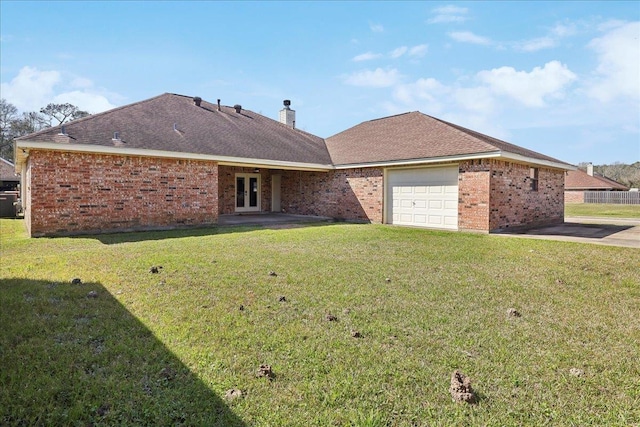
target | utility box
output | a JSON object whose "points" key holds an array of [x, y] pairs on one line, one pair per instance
{"points": [[8, 208]]}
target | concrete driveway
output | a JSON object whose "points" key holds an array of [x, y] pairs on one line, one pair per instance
{"points": [[601, 231]]}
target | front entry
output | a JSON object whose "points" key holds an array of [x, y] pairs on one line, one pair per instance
{"points": [[247, 192]]}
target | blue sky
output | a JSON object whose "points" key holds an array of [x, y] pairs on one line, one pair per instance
{"points": [[561, 78]]}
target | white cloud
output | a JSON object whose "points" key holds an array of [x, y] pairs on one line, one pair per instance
{"points": [[90, 102], [535, 45], [447, 14], [531, 88], [552, 39], [469, 37], [375, 78], [415, 51], [33, 89], [477, 99], [419, 50], [366, 56], [618, 71], [611, 24], [564, 30], [427, 94], [398, 52], [81, 82], [376, 28]]}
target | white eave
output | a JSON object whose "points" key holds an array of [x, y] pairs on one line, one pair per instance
{"points": [[23, 147], [517, 158]]}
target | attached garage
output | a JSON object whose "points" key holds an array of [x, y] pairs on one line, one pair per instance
{"points": [[144, 174], [423, 197]]}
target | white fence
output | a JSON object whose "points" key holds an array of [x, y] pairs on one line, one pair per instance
{"points": [[614, 197]]}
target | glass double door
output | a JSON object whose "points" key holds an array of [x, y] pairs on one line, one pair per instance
{"points": [[247, 192]]}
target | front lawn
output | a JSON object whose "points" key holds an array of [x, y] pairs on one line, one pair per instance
{"points": [[362, 325], [601, 210]]}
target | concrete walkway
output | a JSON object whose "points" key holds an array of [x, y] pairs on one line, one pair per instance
{"points": [[623, 232]]}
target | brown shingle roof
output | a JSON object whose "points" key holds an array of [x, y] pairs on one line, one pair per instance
{"points": [[415, 136], [149, 125], [580, 180], [204, 130], [7, 171]]}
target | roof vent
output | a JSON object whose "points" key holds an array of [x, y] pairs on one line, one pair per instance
{"points": [[197, 100], [287, 103], [218, 105], [63, 131], [238, 108], [117, 141]]}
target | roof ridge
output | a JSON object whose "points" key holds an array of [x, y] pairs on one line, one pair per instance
{"points": [[470, 132], [479, 135], [394, 115]]}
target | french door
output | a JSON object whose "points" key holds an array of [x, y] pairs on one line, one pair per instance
{"points": [[247, 192]]}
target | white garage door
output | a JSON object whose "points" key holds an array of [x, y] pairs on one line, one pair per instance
{"points": [[425, 197]]}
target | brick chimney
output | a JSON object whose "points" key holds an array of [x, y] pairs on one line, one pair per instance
{"points": [[287, 115], [590, 169]]}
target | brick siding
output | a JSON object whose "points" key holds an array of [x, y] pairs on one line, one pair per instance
{"points": [[349, 194], [474, 185], [496, 195], [75, 193], [514, 204]]}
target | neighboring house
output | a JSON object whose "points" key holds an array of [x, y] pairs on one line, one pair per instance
{"points": [[176, 161], [8, 189], [8, 179], [576, 182]]}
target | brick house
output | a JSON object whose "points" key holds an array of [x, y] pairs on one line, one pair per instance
{"points": [[176, 161], [578, 181]]}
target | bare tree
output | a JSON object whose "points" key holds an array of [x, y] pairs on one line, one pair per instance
{"points": [[62, 113], [8, 113], [14, 126], [28, 123]]}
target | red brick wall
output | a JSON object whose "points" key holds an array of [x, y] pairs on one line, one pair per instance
{"points": [[573, 196], [350, 194], [515, 204], [75, 193], [496, 195], [474, 186]]}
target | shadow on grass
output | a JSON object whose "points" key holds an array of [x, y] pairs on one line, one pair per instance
{"points": [[73, 355], [141, 236]]}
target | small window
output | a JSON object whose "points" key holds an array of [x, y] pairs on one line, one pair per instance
{"points": [[533, 178]]}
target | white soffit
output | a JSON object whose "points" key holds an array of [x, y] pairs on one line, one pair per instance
{"points": [[22, 149]]}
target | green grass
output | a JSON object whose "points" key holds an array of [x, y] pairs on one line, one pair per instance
{"points": [[162, 349], [601, 210]]}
